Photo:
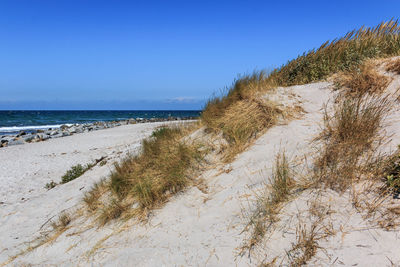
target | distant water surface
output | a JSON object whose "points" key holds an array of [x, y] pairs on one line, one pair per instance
{"points": [[13, 121]]}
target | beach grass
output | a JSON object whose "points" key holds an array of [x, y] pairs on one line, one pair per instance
{"points": [[394, 66], [348, 134], [269, 203], [345, 54], [365, 79], [139, 183]]}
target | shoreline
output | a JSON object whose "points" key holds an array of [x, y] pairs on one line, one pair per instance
{"points": [[39, 135]]}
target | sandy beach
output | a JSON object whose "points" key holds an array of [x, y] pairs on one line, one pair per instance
{"points": [[25, 169], [198, 227]]}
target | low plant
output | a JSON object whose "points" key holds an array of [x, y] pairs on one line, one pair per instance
{"points": [[392, 174], [50, 185], [75, 172]]}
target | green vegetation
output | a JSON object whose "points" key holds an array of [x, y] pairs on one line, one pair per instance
{"points": [[392, 174], [164, 167], [50, 185], [75, 172]]}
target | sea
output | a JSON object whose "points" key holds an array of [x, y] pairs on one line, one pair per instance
{"points": [[14, 121]]}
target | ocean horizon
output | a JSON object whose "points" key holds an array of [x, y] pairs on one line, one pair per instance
{"points": [[13, 121]]}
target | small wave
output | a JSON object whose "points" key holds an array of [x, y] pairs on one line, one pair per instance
{"points": [[37, 127]]}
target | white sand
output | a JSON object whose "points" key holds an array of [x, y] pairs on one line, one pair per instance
{"points": [[193, 229]]}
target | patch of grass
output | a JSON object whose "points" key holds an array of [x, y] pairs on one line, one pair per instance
{"points": [[75, 172], [113, 210], [93, 196], [394, 66], [241, 114], [306, 245], [269, 203], [163, 168], [348, 135], [63, 221], [363, 80]]}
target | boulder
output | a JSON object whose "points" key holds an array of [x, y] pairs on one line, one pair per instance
{"points": [[16, 141], [28, 137]]}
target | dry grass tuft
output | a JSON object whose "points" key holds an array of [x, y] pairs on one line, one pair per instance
{"points": [[306, 245], [165, 166], [64, 219], [348, 135], [242, 113], [394, 66], [363, 80], [113, 210], [270, 202], [93, 196]]}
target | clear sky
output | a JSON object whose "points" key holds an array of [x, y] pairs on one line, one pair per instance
{"points": [[82, 54]]}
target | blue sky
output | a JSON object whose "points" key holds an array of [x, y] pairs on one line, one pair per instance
{"points": [[70, 54]]}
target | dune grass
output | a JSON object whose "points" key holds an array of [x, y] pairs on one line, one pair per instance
{"points": [[365, 79], [269, 203], [348, 134], [394, 66], [343, 54], [242, 113], [163, 168]]}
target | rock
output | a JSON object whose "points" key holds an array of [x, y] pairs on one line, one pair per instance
{"points": [[42, 136], [53, 133], [21, 133], [28, 138], [72, 129], [64, 127], [65, 133], [15, 141]]}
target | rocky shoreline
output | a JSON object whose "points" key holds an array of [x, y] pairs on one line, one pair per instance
{"points": [[66, 130]]}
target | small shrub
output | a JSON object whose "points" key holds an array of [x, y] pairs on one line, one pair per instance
{"points": [[51, 185], [392, 175], [75, 172]]}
